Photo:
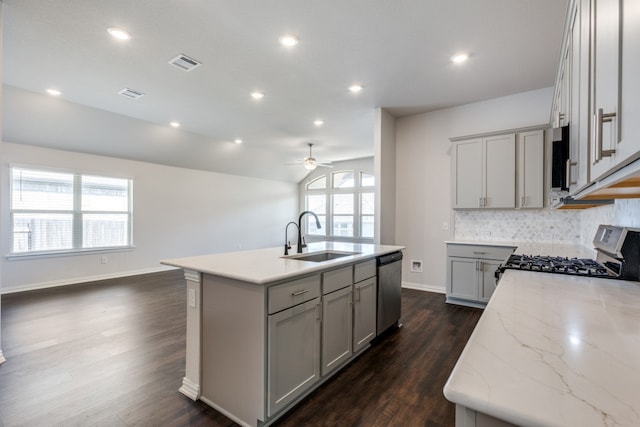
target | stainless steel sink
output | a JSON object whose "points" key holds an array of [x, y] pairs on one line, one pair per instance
{"points": [[320, 256]]}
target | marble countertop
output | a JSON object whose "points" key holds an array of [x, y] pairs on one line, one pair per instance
{"points": [[554, 350], [535, 248], [261, 266]]}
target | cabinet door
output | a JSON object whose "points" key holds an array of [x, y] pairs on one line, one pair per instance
{"points": [[487, 278], [531, 169], [293, 353], [579, 158], [605, 76], [499, 163], [630, 86], [463, 278], [337, 329], [364, 313], [467, 179]]}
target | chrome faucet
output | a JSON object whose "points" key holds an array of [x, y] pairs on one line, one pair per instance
{"points": [[300, 244], [287, 244]]}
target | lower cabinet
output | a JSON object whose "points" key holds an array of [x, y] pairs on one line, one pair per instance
{"points": [[471, 272], [337, 326], [364, 313], [266, 347], [294, 353]]}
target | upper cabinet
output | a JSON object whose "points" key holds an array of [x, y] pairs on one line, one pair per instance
{"points": [[530, 169], [498, 171], [484, 172], [599, 69]]}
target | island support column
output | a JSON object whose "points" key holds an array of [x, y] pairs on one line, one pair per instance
{"points": [[191, 381]]}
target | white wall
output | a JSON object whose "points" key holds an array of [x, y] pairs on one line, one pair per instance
{"points": [[384, 148], [177, 212], [423, 177]]}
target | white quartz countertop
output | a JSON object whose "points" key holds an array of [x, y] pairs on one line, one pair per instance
{"points": [[535, 248], [554, 350], [262, 266]]}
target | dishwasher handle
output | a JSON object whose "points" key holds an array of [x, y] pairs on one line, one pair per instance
{"points": [[389, 258]]}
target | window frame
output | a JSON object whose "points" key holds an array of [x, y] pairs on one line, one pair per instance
{"points": [[77, 227], [329, 191]]}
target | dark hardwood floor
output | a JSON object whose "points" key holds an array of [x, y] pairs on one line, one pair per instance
{"points": [[111, 353]]}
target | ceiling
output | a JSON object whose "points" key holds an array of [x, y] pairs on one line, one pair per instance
{"points": [[399, 50]]}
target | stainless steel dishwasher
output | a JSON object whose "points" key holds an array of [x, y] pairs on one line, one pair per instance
{"points": [[389, 291]]}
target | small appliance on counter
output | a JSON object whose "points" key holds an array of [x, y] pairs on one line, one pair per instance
{"points": [[617, 257]]}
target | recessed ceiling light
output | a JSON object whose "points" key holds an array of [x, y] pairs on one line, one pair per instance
{"points": [[356, 88], [257, 95], [318, 122], [459, 58], [119, 33], [175, 124], [237, 141], [54, 92], [288, 40]]}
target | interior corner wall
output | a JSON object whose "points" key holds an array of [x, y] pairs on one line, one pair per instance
{"points": [[424, 218], [177, 212], [385, 172], [1, 228]]}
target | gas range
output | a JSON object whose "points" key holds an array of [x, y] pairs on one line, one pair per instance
{"points": [[551, 264], [617, 257]]}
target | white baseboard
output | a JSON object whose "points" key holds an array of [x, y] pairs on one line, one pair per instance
{"points": [[423, 287], [76, 280], [189, 389]]}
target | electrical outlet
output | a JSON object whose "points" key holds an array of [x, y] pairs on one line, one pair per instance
{"points": [[192, 298], [103, 260], [416, 266]]}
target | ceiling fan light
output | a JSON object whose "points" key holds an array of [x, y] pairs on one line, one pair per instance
{"points": [[310, 163]]}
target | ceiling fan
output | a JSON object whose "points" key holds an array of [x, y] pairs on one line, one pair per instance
{"points": [[310, 163]]}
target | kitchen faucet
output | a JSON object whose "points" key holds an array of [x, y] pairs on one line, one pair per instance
{"points": [[287, 245], [300, 245]]}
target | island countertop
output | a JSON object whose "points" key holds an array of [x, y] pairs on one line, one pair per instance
{"points": [[554, 350], [262, 266]]}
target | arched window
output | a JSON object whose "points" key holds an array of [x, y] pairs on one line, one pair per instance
{"points": [[344, 201]]}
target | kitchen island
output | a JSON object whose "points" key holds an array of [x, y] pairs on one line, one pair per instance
{"points": [[552, 350], [264, 330]]}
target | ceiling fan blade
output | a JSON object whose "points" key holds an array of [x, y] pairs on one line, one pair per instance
{"points": [[324, 165], [293, 163]]}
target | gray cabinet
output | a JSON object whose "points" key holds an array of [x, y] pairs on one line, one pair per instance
{"points": [[337, 321], [600, 65], [293, 348], [484, 172], [470, 272], [364, 313], [530, 169]]}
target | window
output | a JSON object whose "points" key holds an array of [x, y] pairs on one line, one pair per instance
{"points": [[344, 203], [67, 212], [367, 211]]}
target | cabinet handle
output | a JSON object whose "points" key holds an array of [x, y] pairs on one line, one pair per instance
{"points": [[357, 295], [523, 201], [480, 202], [480, 265], [479, 253], [570, 180], [295, 294], [600, 118], [319, 309]]}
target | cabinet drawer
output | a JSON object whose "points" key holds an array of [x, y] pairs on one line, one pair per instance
{"points": [[292, 293], [480, 251], [364, 270], [337, 279]]}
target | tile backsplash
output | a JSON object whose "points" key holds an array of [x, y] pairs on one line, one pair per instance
{"points": [[545, 226]]}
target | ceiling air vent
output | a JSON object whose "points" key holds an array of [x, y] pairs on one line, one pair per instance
{"points": [[130, 93], [184, 62]]}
